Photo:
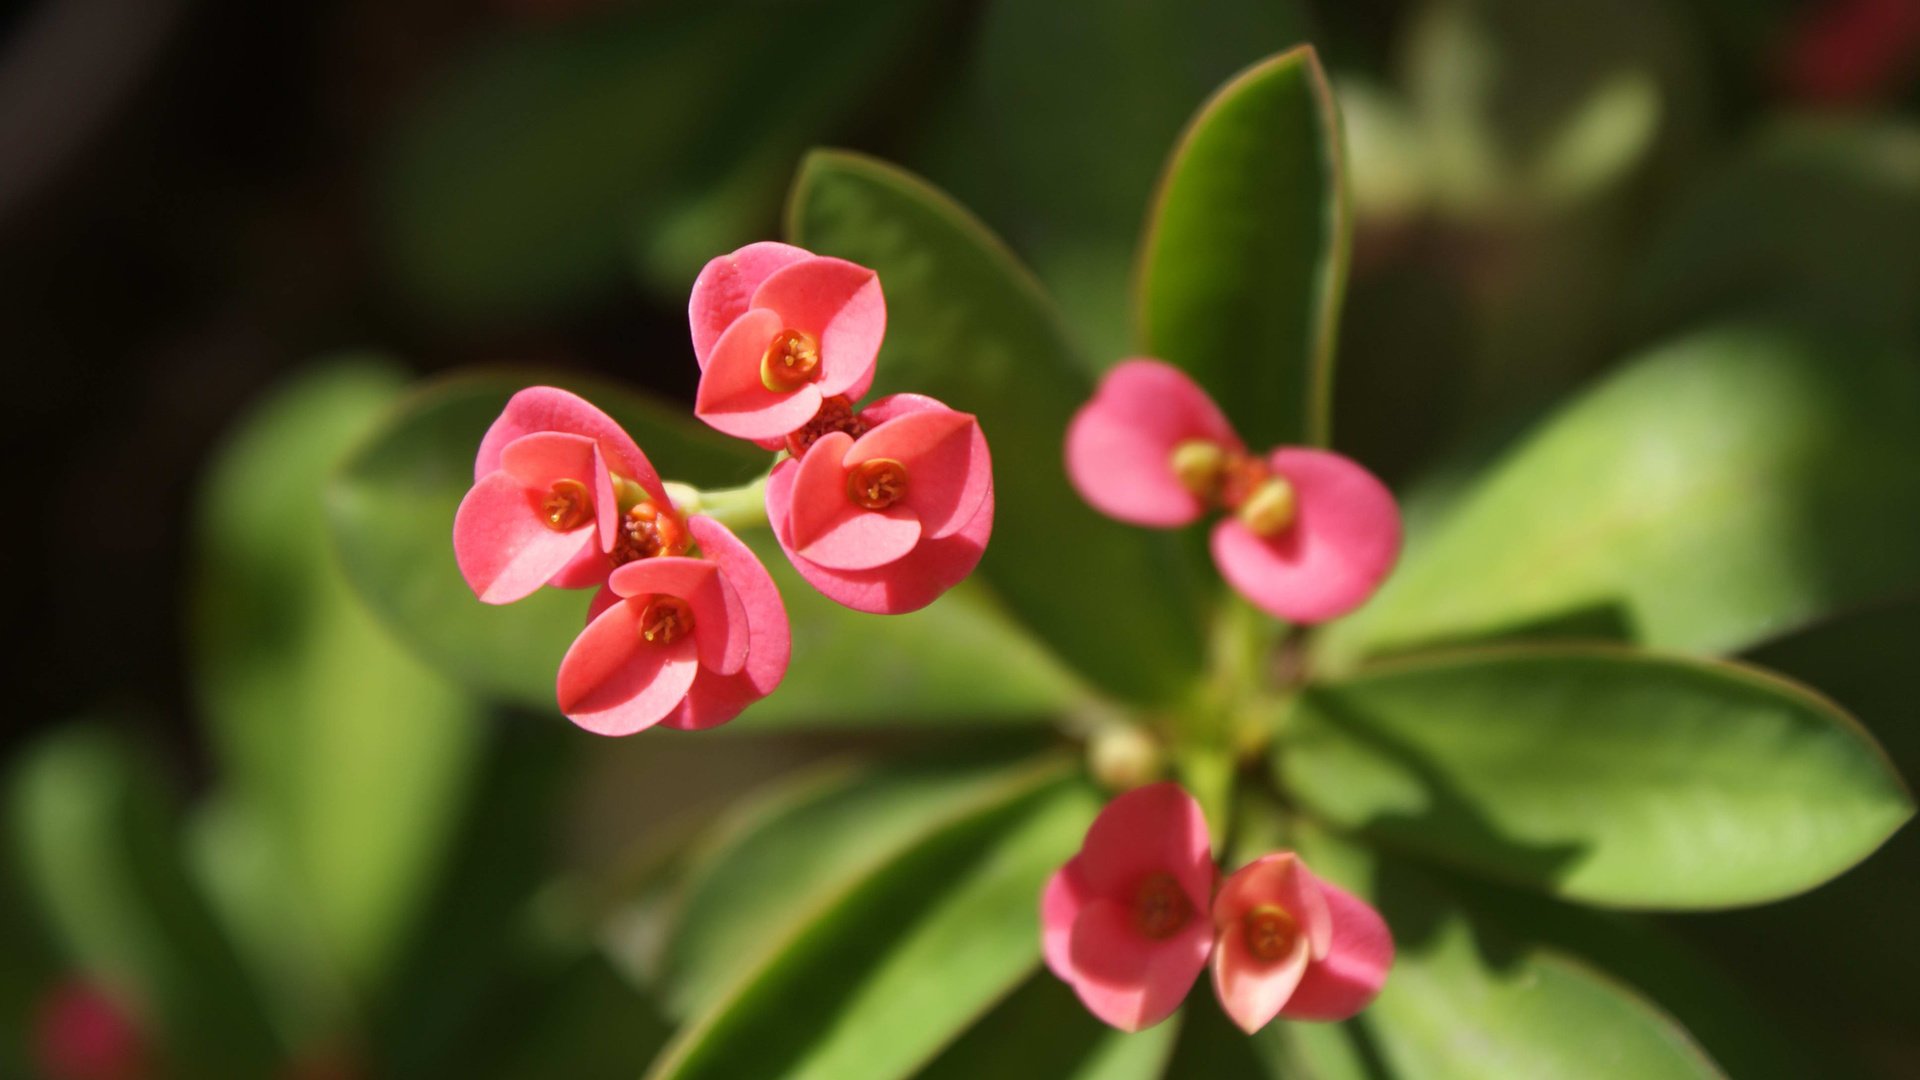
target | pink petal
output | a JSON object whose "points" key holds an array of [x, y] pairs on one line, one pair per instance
{"points": [[1154, 829], [830, 529], [907, 584], [1125, 978], [724, 290], [1356, 965], [1252, 990], [503, 546], [1120, 444], [948, 467], [894, 406], [545, 458], [1060, 903], [1280, 879], [547, 408], [588, 570], [716, 699], [1340, 547], [719, 621], [840, 305], [731, 397], [613, 683]]}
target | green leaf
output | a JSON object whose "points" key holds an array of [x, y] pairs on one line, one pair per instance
{"points": [[392, 505], [356, 756], [1245, 259], [881, 978], [1079, 139], [1818, 939], [1467, 1000], [1042, 1032], [1598, 774], [967, 324], [1723, 488], [513, 187], [99, 844], [1817, 218], [781, 857]]}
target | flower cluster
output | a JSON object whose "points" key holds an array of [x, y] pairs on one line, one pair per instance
{"points": [[1126, 923], [881, 508], [1309, 534], [686, 630]]}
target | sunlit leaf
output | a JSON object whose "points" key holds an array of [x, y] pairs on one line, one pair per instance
{"points": [[1598, 774], [1467, 1000], [1721, 489], [886, 974], [787, 853]]}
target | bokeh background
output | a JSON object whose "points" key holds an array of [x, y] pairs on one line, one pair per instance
{"points": [[201, 200]]}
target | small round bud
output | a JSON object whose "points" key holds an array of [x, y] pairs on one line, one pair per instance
{"points": [[1123, 757]]}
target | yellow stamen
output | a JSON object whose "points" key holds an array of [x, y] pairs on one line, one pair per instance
{"points": [[791, 360], [568, 506], [877, 483]]}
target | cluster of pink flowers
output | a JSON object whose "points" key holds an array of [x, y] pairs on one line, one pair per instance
{"points": [[881, 508], [1131, 920], [1309, 534]]}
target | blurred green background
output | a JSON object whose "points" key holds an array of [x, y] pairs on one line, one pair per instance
{"points": [[275, 842]]}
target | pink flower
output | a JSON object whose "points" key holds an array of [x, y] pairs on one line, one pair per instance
{"points": [[561, 496], [885, 510], [80, 1033], [1289, 944], [1310, 535], [778, 332], [1124, 921], [685, 642]]}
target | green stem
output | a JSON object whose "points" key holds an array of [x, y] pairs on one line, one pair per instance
{"points": [[738, 508]]}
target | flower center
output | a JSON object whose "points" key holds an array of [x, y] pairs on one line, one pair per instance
{"points": [[1271, 932], [1236, 482], [645, 531], [877, 483], [568, 506], [1161, 907], [836, 414], [665, 620], [792, 358]]}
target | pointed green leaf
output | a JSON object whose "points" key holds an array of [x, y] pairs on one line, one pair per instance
{"points": [[1721, 489], [1467, 1000], [967, 324], [783, 855], [1599, 774], [1079, 139], [99, 842], [888, 973], [1818, 939], [514, 185], [1245, 258], [354, 752], [392, 505]]}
